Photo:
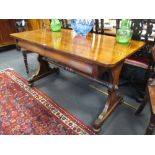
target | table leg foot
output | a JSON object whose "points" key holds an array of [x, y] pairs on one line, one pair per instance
{"points": [[109, 107], [30, 83], [97, 125], [113, 98]]}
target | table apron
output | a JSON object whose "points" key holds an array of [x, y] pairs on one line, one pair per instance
{"points": [[90, 69]]}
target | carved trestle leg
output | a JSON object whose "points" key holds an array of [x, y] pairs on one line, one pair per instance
{"points": [[113, 98], [151, 126], [42, 71]]}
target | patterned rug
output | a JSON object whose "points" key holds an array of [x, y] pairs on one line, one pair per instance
{"points": [[28, 111]]}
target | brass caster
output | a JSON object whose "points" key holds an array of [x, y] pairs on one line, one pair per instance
{"points": [[30, 84], [96, 130], [97, 126]]}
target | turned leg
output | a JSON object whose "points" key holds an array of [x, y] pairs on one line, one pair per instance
{"points": [[151, 126], [112, 100], [144, 102], [42, 71], [142, 105], [142, 92], [25, 61]]}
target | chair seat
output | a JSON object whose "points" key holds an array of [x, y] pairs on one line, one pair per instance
{"points": [[141, 62]]}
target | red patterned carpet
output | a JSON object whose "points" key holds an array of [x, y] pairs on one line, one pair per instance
{"points": [[28, 111]]}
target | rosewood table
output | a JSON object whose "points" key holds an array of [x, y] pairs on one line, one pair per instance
{"points": [[88, 56]]}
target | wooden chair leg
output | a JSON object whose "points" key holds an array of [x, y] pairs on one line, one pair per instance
{"points": [[25, 62], [151, 126], [142, 93], [142, 105]]}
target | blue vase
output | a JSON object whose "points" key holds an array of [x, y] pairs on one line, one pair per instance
{"points": [[82, 26]]}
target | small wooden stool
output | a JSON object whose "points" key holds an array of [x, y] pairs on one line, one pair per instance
{"points": [[151, 94]]}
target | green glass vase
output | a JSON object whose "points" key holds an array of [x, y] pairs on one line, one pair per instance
{"points": [[55, 25], [123, 36], [124, 33], [125, 24]]}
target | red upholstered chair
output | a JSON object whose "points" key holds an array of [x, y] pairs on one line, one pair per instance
{"points": [[140, 59], [150, 90], [151, 75]]}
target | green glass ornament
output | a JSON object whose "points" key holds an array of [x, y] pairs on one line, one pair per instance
{"points": [[124, 33], [55, 25], [125, 24]]}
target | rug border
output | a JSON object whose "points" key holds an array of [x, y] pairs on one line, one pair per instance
{"points": [[66, 112]]}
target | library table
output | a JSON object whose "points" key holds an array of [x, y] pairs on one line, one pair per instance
{"points": [[89, 56]]}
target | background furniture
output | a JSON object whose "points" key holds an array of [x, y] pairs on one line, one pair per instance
{"points": [[66, 24], [151, 75], [151, 94], [20, 27], [104, 27], [36, 24], [7, 26]]}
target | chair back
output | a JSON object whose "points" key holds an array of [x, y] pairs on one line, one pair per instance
{"points": [[137, 26], [65, 23], [98, 26], [20, 25]]}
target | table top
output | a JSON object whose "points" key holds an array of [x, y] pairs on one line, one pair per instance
{"points": [[101, 49]]}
